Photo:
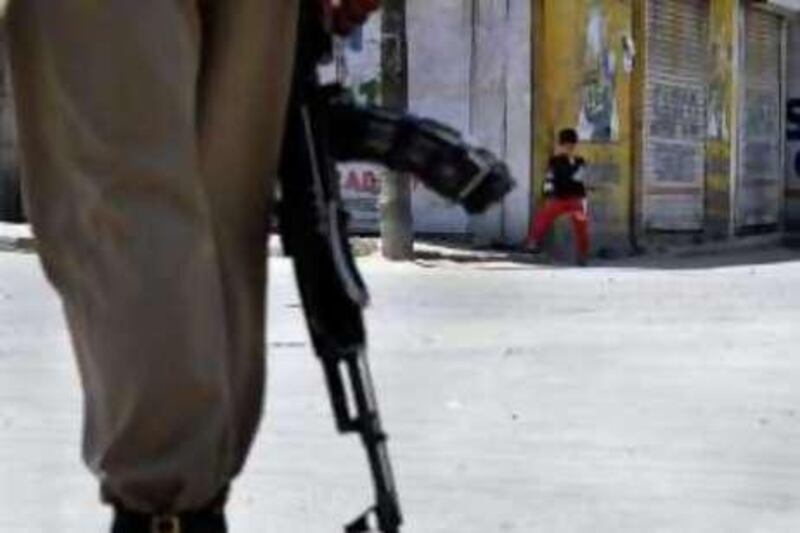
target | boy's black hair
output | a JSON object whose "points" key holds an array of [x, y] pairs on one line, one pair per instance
{"points": [[568, 136]]}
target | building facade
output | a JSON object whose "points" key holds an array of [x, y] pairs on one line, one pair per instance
{"points": [[681, 104], [687, 108], [689, 111]]}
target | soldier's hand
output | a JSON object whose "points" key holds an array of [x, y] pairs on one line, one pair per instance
{"points": [[347, 15]]}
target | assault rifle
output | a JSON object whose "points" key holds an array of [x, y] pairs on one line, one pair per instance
{"points": [[324, 126]]}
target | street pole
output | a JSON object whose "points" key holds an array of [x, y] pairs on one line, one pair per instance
{"points": [[397, 232]]}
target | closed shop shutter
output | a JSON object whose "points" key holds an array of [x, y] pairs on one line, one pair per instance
{"points": [[675, 114], [759, 190], [793, 134], [10, 194]]}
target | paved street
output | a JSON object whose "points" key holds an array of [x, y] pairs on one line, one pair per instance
{"points": [[628, 397]]}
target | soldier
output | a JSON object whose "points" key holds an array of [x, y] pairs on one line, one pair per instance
{"points": [[150, 134]]}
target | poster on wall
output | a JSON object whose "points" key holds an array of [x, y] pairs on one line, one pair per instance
{"points": [[361, 189], [599, 118], [359, 66]]}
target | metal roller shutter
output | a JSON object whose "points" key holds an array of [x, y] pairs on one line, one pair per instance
{"points": [[793, 134], [10, 193], [758, 195], [675, 114]]}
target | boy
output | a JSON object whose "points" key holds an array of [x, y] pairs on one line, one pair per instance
{"points": [[566, 195]]}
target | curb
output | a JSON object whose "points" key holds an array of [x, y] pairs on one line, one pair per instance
{"points": [[463, 253], [16, 237], [362, 246], [740, 244], [19, 238]]}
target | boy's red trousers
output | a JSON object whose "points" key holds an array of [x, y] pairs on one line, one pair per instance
{"points": [[556, 207]]}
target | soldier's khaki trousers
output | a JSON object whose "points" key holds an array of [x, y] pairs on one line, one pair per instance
{"points": [[150, 132]]}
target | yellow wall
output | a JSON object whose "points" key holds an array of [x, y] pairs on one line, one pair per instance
{"points": [[564, 70], [723, 37], [573, 83]]}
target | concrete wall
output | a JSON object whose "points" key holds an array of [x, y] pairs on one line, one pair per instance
{"points": [[439, 48], [500, 107], [470, 66]]}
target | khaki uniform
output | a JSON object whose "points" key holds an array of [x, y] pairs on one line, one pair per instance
{"points": [[150, 132]]}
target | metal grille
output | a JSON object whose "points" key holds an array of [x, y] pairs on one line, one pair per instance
{"points": [[675, 114], [759, 192]]}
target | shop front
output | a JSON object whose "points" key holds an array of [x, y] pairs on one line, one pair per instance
{"points": [[760, 178], [675, 115], [792, 161], [712, 162], [10, 195]]}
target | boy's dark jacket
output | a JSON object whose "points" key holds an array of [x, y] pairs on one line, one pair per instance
{"points": [[565, 177]]}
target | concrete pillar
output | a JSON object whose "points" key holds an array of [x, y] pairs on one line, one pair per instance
{"points": [[723, 118]]}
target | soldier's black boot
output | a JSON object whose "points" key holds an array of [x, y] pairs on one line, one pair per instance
{"points": [[210, 519], [204, 521]]}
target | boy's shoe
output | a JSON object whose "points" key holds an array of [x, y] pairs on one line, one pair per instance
{"points": [[532, 248], [583, 261]]}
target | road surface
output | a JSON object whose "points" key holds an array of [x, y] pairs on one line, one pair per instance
{"points": [[637, 396]]}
